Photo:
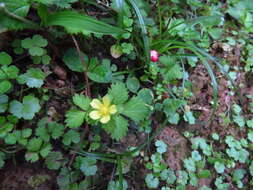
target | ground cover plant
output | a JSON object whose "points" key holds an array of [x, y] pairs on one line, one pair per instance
{"points": [[126, 94]]}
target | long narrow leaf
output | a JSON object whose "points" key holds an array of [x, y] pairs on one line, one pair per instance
{"points": [[74, 21], [143, 28]]}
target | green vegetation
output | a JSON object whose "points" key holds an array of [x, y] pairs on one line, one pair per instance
{"points": [[126, 94]]}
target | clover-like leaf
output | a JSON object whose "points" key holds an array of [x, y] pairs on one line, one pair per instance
{"points": [[71, 136], [34, 78], [26, 109], [5, 59]]}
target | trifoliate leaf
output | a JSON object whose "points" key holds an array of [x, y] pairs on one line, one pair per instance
{"points": [[5, 86], [133, 84], [161, 147], [182, 178], [82, 101], [117, 127], [27, 109], [119, 93], [88, 166], [135, 109], [71, 136], [34, 78], [196, 156], [5, 59], [75, 118], [8, 72]]}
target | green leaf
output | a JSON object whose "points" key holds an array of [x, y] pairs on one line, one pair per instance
{"points": [[54, 160], [112, 185], [75, 118], [19, 8], [25, 133], [5, 59], [82, 101], [88, 166], [5, 128], [196, 156], [32, 156], [190, 165], [151, 181], [171, 70], [72, 60], [204, 174], [183, 177], [5, 86], [250, 136], [27, 109], [8, 72], [188, 116], [117, 127], [45, 150], [119, 93], [161, 147], [55, 129], [219, 167], [79, 23], [101, 73], [34, 144], [3, 103], [43, 133], [2, 158], [146, 95], [135, 109], [34, 78], [71, 136], [172, 105], [133, 84]]}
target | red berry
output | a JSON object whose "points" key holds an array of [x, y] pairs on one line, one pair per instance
{"points": [[154, 56]]}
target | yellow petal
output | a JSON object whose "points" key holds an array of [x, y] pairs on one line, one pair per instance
{"points": [[95, 103], [94, 115], [106, 101], [112, 109], [105, 119]]}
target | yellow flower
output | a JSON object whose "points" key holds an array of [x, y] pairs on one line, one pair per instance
{"points": [[103, 109]]}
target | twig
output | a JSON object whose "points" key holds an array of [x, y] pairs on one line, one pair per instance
{"points": [[87, 92]]}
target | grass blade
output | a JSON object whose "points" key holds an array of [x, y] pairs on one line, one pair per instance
{"points": [[143, 29]]}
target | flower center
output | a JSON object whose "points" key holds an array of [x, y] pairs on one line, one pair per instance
{"points": [[104, 110]]}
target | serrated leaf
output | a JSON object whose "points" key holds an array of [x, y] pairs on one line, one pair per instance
{"points": [[27, 109], [55, 129], [161, 147], [117, 128], [119, 93], [171, 70], [8, 72], [34, 78], [82, 101], [75, 118], [151, 181], [71, 136], [135, 109]]}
